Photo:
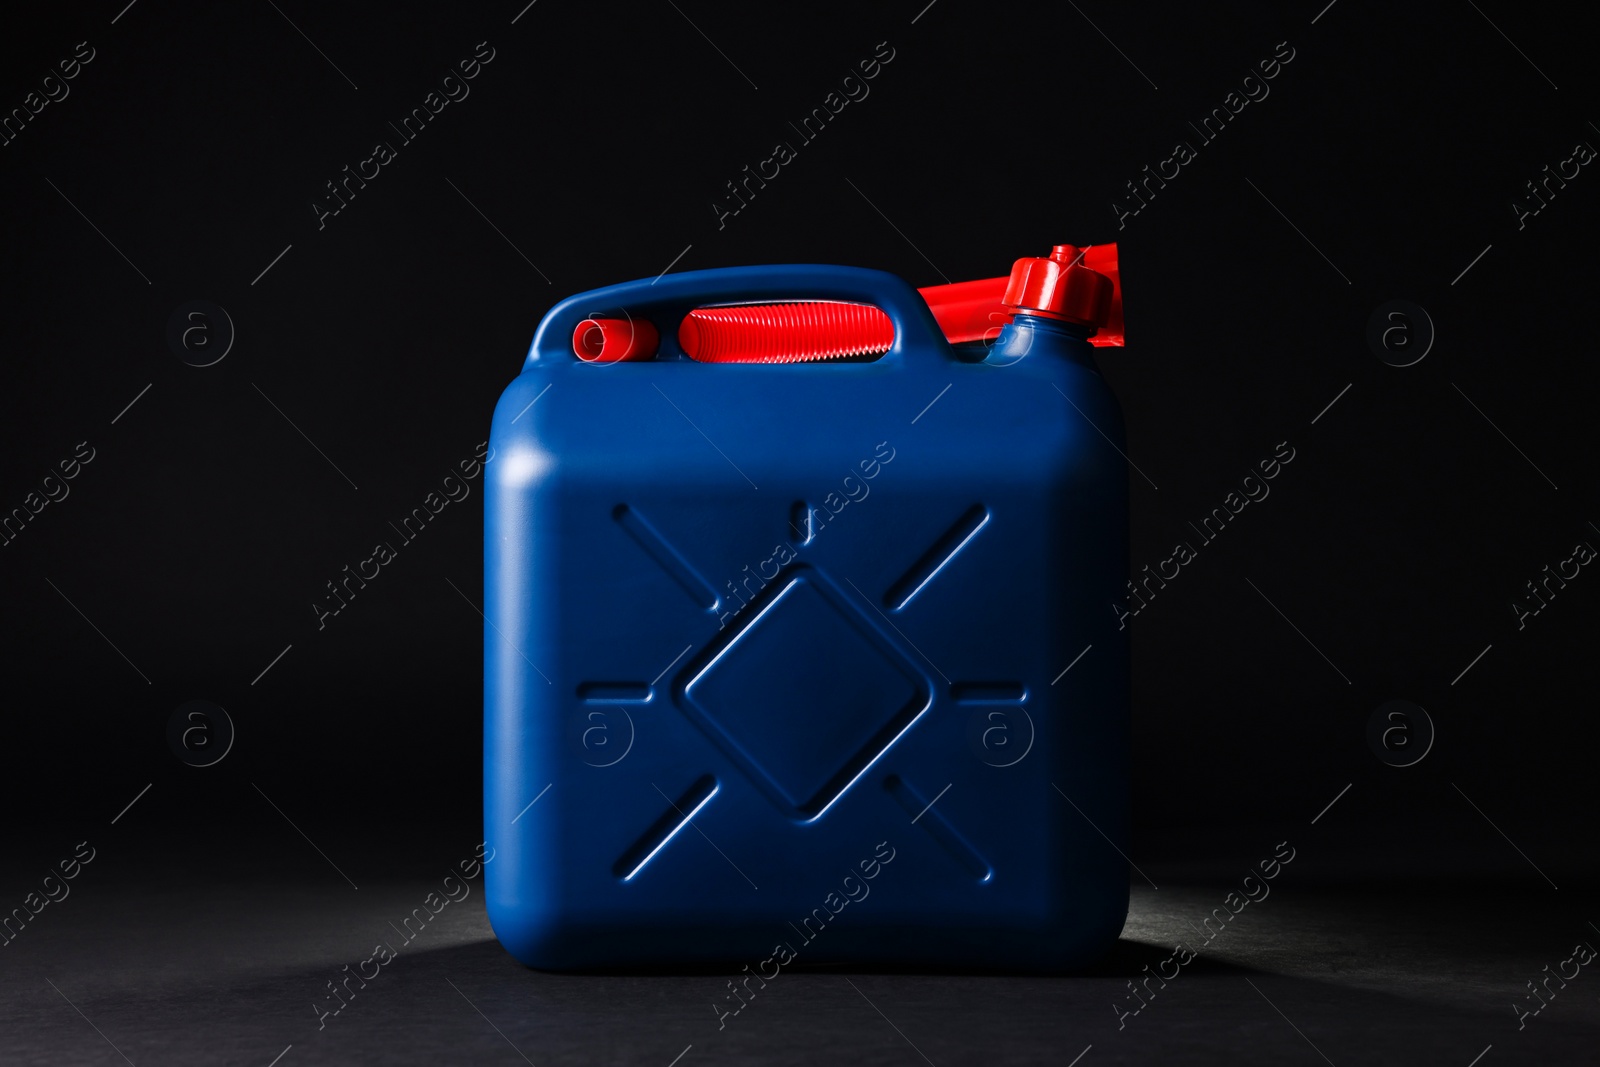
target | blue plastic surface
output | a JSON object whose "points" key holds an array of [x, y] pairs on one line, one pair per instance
{"points": [[776, 655]]}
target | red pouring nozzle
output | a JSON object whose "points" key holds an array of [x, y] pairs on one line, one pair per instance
{"points": [[1068, 285]]}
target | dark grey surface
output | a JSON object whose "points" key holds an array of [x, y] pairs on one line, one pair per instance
{"points": [[188, 950]]}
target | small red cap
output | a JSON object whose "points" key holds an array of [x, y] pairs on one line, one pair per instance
{"points": [[614, 340], [1060, 287]]}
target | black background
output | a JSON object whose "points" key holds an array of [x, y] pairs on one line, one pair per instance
{"points": [[596, 141]]}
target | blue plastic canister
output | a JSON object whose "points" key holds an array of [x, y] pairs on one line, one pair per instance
{"points": [[790, 664]]}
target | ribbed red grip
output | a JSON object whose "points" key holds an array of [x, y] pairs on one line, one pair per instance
{"points": [[966, 312], [784, 333]]}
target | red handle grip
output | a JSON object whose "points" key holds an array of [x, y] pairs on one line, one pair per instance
{"points": [[825, 329]]}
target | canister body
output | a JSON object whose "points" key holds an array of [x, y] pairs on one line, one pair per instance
{"points": [[818, 655]]}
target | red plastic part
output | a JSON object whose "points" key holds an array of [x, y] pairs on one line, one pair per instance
{"points": [[1068, 285], [969, 311], [615, 340], [975, 311], [784, 333], [1103, 260], [1059, 286]]}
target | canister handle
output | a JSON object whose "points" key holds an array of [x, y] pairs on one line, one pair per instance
{"points": [[667, 299]]}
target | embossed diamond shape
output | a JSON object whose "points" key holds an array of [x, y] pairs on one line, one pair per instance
{"points": [[806, 694]]}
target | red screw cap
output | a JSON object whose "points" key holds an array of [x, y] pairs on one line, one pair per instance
{"points": [[1060, 287]]}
